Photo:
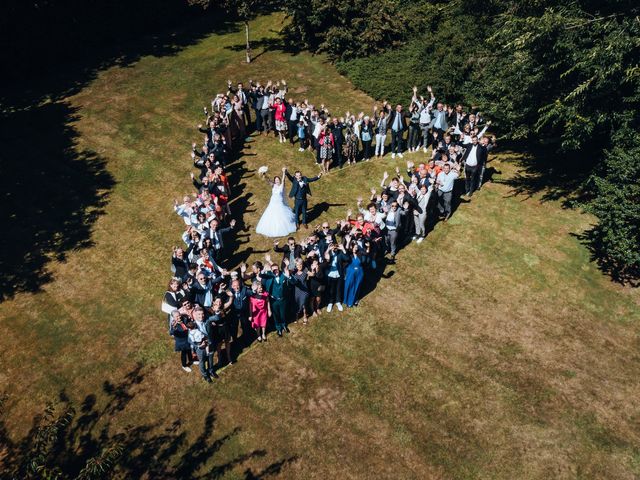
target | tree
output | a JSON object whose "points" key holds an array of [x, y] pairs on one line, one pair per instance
{"points": [[345, 30], [245, 10], [614, 241]]}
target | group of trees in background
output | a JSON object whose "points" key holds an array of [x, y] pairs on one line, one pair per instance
{"points": [[564, 74]]}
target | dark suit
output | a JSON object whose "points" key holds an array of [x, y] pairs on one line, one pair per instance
{"points": [[338, 139], [286, 253], [335, 285], [472, 172], [299, 193], [277, 288], [240, 313], [203, 294], [396, 135], [217, 240]]}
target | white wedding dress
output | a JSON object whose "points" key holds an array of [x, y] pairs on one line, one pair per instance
{"points": [[278, 219]]}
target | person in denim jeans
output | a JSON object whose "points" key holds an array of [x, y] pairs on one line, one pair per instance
{"points": [[381, 130]]}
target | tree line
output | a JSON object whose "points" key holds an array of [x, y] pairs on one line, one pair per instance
{"points": [[560, 78]]}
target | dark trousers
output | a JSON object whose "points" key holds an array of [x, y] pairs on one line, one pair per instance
{"points": [[366, 146], [293, 128], [338, 154], [265, 121], [470, 179], [444, 202], [414, 135], [185, 357], [258, 119], [300, 209], [279, 311], [396, 141], [246, 115], [272, 119], [334, 290]]}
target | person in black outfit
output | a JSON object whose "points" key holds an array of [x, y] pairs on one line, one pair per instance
{"points": [[336, 127], [291, 252], [397, 123], [317, 285], [474, 158], [299, 191], [217, 328], [239, 311]]}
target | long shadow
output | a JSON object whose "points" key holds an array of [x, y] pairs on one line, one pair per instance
{"points": [[543, 170], [319, 208], [278, 43], [70, 440], [52, 190], [593, 240]]}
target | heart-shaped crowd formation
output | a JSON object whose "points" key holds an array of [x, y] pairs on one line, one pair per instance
{"points": [[208, 306]]}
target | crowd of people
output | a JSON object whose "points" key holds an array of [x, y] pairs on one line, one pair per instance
{"points": [[211, 308]]}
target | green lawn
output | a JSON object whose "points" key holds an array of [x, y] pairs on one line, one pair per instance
{"points": [[495, 349]]}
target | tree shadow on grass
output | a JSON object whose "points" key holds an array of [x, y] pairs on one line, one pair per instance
{"points": [[278, 43], [593, 240], [562, 177], [52, 194], [70, 440], [544, 171], [52, 190]]}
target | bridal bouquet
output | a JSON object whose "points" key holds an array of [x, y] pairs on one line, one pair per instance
{"points": [[263, 169]]}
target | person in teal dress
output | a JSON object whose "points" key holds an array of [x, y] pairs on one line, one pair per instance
{"points": [[354, 273]]}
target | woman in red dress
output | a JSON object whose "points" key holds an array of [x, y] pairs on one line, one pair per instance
{"points": [[259, 310], [281, 121]]}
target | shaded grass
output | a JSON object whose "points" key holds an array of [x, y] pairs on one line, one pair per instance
{"points": [[454, 367]]}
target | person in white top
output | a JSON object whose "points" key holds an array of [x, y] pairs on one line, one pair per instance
{"points": [[445, 181], [474, 158], [424, 107]]}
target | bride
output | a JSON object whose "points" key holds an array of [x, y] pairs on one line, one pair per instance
{"points": [[278, 219]]}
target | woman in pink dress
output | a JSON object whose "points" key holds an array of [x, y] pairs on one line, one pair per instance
{"points": [[259, 310], [281, 121]]}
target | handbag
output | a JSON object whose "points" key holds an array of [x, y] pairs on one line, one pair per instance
{"points": [[166, 308]]}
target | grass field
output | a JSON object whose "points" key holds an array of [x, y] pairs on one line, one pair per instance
{"points": [[495, 349]]}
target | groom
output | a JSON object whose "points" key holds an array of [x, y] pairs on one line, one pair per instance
{"points": [[299, 191]]}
